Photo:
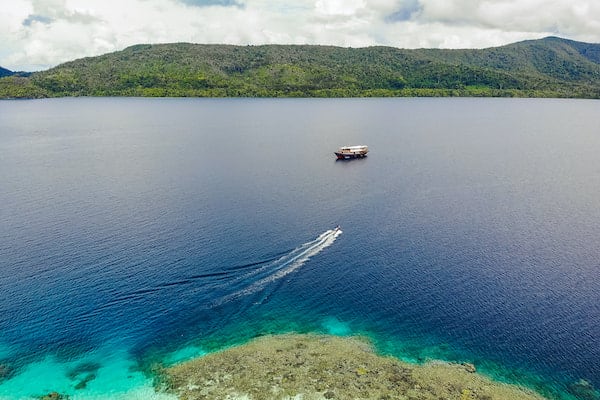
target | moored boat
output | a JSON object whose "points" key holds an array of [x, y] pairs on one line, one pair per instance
{"points": [[348, 152]]}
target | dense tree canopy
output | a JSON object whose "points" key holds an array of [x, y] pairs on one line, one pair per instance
{"points": [[550, 67]]}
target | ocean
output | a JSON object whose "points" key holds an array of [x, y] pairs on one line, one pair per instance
{"points": [[137, 232]]}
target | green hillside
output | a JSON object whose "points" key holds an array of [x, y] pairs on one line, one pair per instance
{"points": [[550, 67]]}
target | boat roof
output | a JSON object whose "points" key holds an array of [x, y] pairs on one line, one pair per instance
{"points": [[354, 147]]}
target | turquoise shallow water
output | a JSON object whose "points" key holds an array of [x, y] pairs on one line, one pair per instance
{"points": [[137, 231]]}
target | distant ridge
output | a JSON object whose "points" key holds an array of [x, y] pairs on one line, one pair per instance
{"points": [[5, 72], [549, 67]]}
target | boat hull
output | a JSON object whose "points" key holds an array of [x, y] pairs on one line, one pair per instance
{"points": [[346, 156]]}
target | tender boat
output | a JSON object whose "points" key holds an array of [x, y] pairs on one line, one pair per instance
{"points": [[348, 152]]}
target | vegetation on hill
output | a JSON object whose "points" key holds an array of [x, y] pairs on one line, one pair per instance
{"points": [[5, 72], [550, 67]]}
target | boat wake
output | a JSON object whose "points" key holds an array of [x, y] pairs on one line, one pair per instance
{"points": [[229, 283], [257, 279]]}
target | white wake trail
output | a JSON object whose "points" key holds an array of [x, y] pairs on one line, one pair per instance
{"points": [[284, 265]]}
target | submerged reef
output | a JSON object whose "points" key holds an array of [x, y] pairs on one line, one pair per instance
{"points": [[310, 367], [54, 396], [6, 372]]}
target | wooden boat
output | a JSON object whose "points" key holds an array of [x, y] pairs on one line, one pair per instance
{"points": [[348, 152]]}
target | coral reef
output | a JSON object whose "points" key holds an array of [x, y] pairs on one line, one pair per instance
{"points": [[584, 390], [83, 374], [327, 367], [5, 371], [54, 396]]}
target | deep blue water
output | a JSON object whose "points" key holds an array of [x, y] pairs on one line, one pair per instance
{"points": [[136, 230]]}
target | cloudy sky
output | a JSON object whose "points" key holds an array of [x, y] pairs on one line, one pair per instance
{"points": [[38, 34]]}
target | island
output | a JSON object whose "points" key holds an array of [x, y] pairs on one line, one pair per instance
{"points": [[549, 67]]}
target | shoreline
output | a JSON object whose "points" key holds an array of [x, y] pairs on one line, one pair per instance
{"points": [[406, 93], [320, 366]]}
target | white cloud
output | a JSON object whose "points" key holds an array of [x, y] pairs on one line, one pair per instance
{"points": [[577, 19], [339, 7], [36, 34]]}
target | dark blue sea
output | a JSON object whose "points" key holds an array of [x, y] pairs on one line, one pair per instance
{"points": [[144, 231]]}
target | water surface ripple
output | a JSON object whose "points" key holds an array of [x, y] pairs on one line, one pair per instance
{"points": [[133, 229]]}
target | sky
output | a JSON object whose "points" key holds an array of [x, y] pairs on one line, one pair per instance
{"points": [[38, 34]]}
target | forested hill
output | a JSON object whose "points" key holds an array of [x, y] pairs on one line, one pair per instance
{"points": [[5, 72], [550, 67]]}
